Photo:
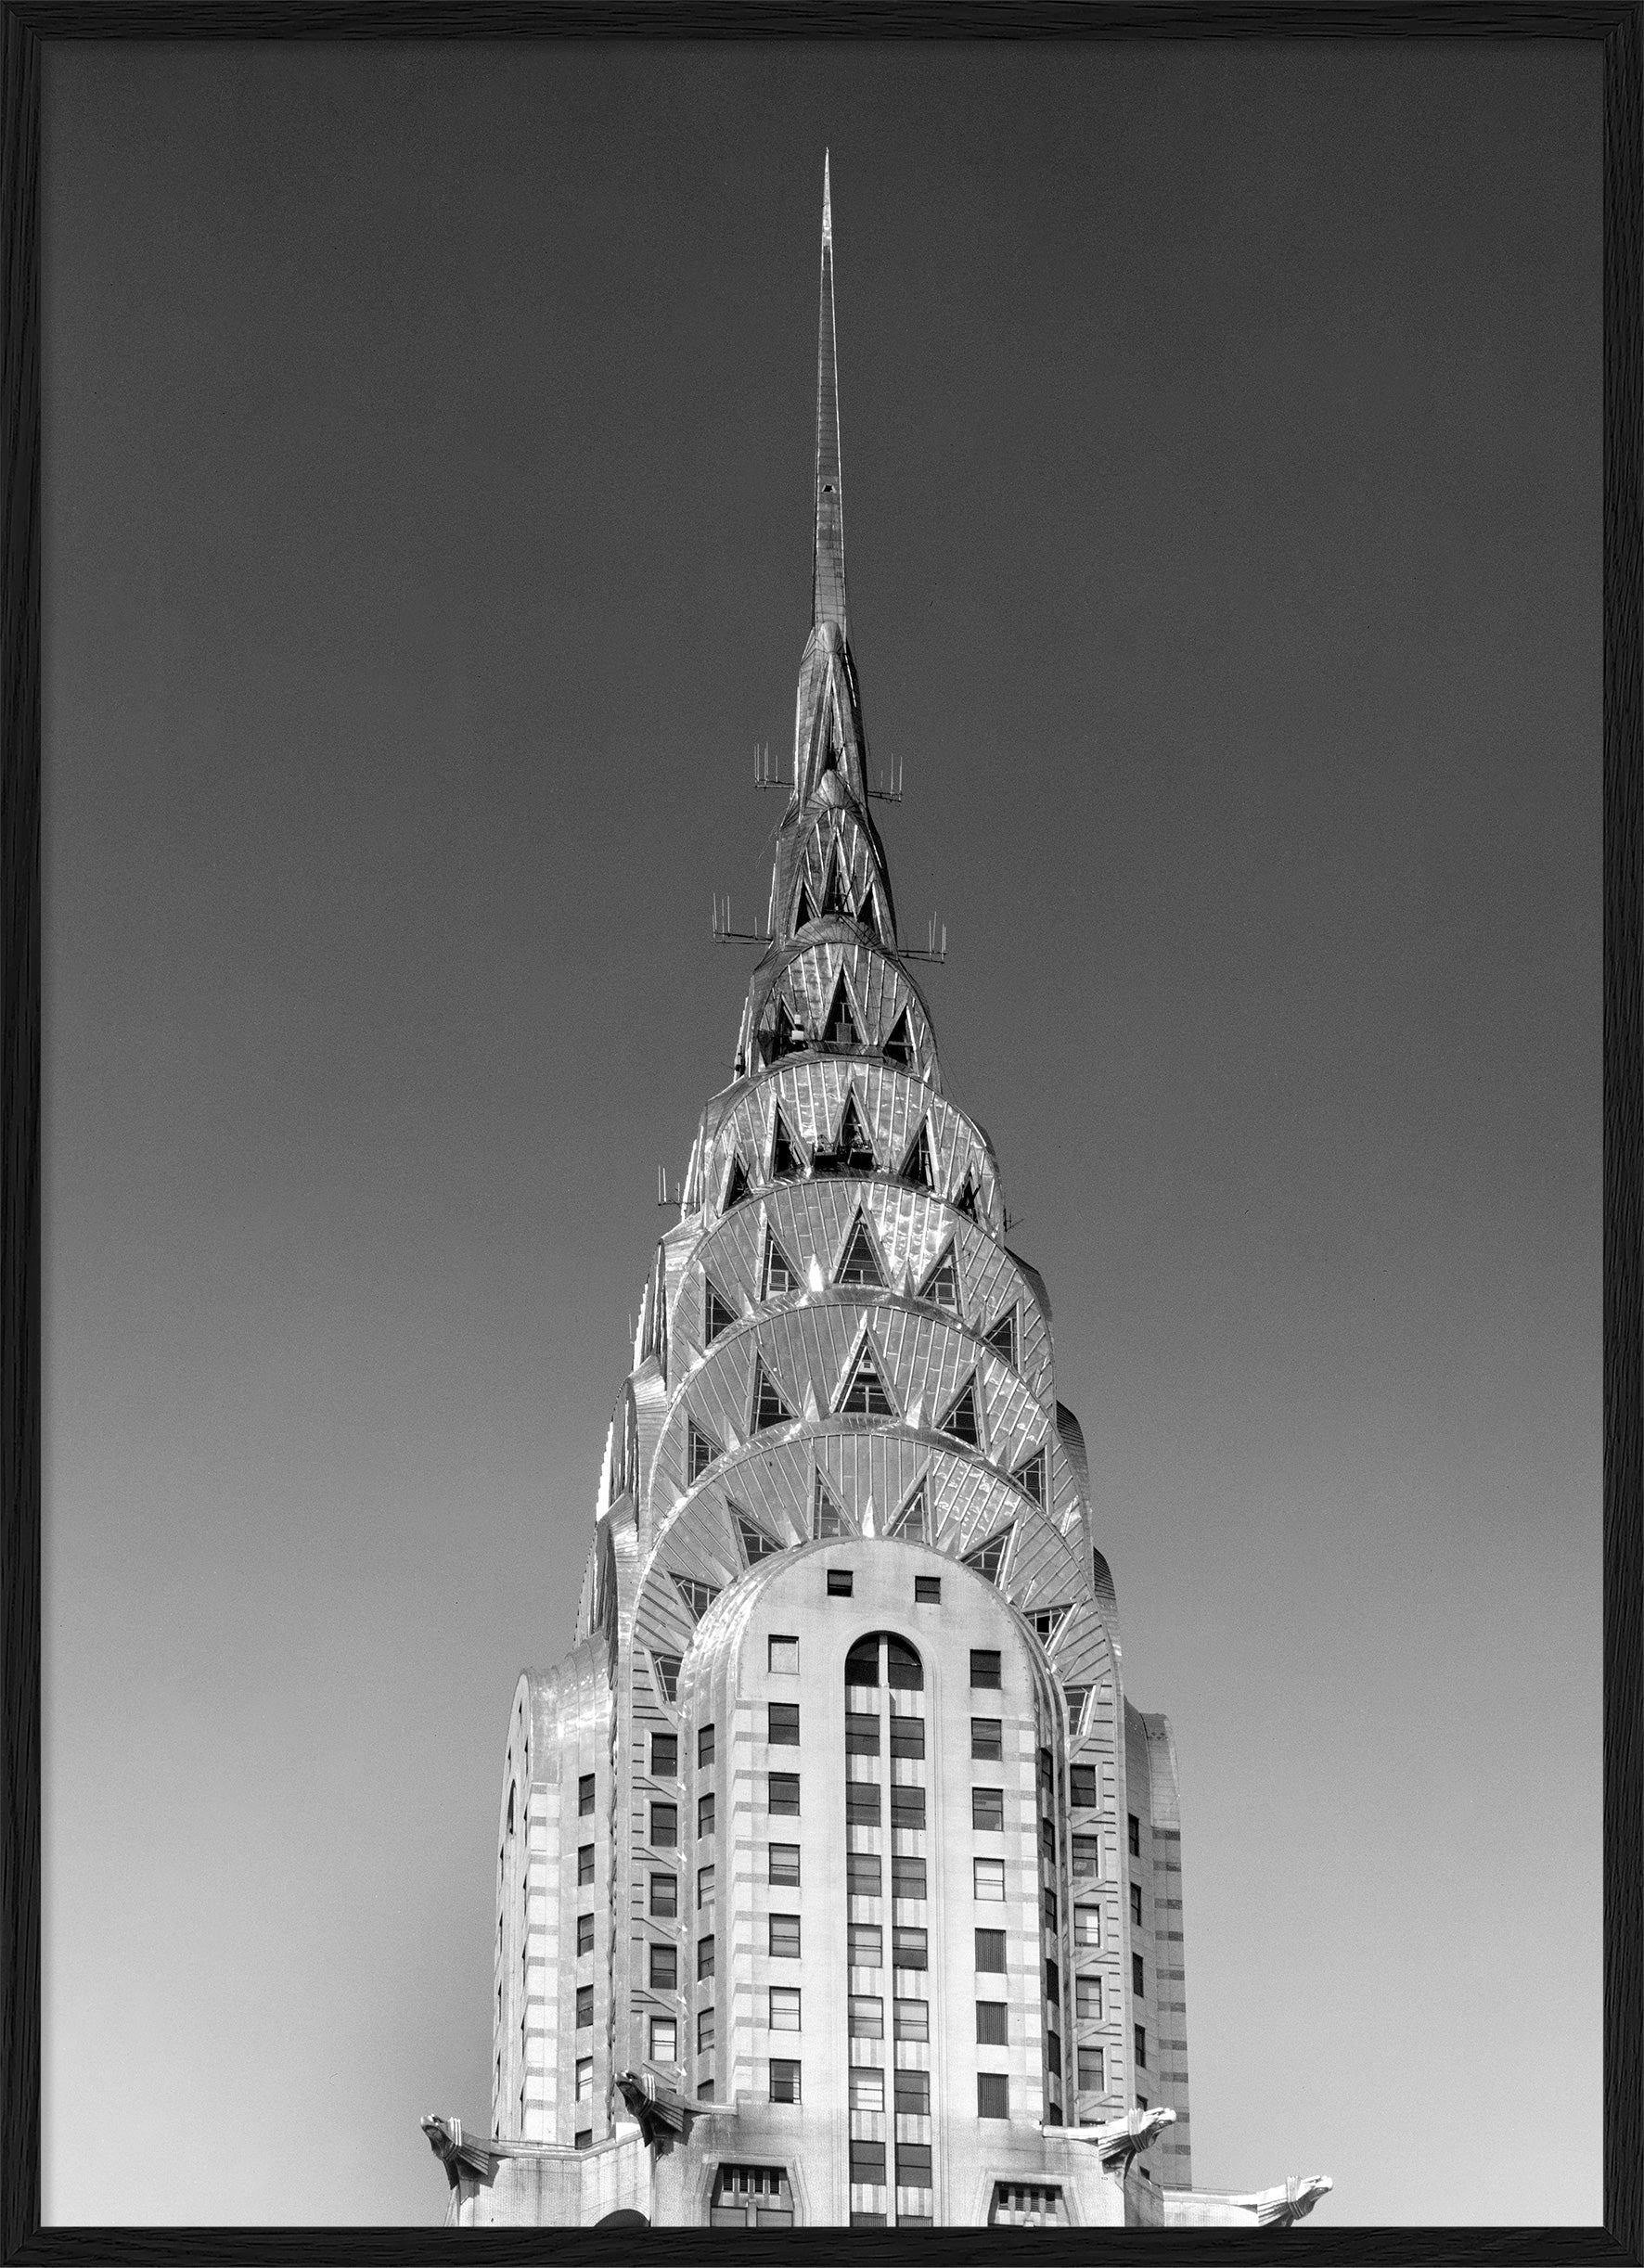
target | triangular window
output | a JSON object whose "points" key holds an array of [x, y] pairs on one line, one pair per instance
{"points": [[1002, 1338], [961, 1420], [913, 1522], [803, 916], [700, 1449], [860, 1263], [784, 1038], [834, 896], [866, 1394], [697, 1596], [840, 1031], [780, 1274], [769, 1408], [965, 1199], [718, 1315], [865, 913], [786, 1161], [987, 1558], [916, 1166], [1046, 1622], [735, 1183], [756, 1545], [1031, 1477], [899, 1047], [853, 1148], [943, 1283], [666, 1668], [826, 1515]]}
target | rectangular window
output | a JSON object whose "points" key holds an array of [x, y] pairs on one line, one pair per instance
{"points": [[1136, 1836], [1087, 1856], [990, 2024], [1136, 1972], [1135, 1904], [1047, 1771], [704, 1887], [782, 1727], [705, 1747], [866, 1947], [705, 1814], [664, 1825], [990, 1950], [785, 1866], [784, 1793], [664, 2039], [909, 1949], [987, 1810], [1088, 1999], [984, 1670], [585, 2078], [584, 2138], [990, 1880], [664, 1756], [584, 2006], [926, 1590], [908, 1877], [784, 2082], [908, 1809], [862, 1877], [705, 2032], [867, 2016], [1049, 1909], [913, 2019], [1092, 2077], [1081, 1787], [784, 1937], [839, 1583], [862, 1733], [1052, 1983], [584, 1933], [1048, 1839], [862, 1803], [783, 2008], [1087, 1925], [664, 1969], [782, 1658], [664, 1897], [584, 1795], [705, 1958], [584, 1863], [868, 2164], [868, 2087], [913, 2165], [913, 2094], [987, 1740], [908, 1737], [1142, 2047], [993, 2096]]}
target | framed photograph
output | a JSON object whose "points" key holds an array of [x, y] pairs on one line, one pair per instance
{"points": [[821, 1299]]}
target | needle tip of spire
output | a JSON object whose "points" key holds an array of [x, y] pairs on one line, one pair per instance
{"points": [[827, 202]]}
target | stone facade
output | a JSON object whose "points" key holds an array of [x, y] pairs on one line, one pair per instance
{"points": [[838, 1878]]}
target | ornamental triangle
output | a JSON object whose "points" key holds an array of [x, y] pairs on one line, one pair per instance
{"points": [[718, 1314], [965, 1198], [943, 1283], [834, 896], [787, 1164], [865, 1393], [827, 1517], [1046, 1622], [987, 1558], [735, 1183], [756, 1545], [960, 1419], [779, 1276], [840, 1031], [864, 912], [859, 1261], [913, 1522], [770, 1408], [700, 1449], [916, 1167], [851, 1147], [1002, 1336], [802, 913], [1029, 1477], [698, 1596], [898, 1048]]}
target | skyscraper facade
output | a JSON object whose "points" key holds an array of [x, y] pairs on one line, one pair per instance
{"points": [[838, 1879]]}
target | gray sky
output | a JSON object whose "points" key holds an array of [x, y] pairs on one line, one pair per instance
{"points": [[428, 485]]}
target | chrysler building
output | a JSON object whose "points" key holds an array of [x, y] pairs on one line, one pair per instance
{"points": [[838, 1879]]}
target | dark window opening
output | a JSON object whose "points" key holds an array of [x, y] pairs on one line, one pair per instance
{"points": [[908, 1877], [1081, 1787], [664, 1827], [584, 1795], [840, 1030], [987, 1810], [782, 1726], [866, 1393], [756, 1545], [899, 1049], [664, 1903], [990, 1952], [860, 1263], [984, 1673], [987, 1558], [851, 1147], [862, 1734], [991, 2024], [1029, 1477], [862, 1803], [993, 2096], [864, 1878], [705, 1746], [827, 1517], [699, 1451], [839, 1583], [943, 1283], [664, 1969], [1002, 1340], [960, 1420], [926, 1590], [904, 1670], [770, 1407], [1136, 1836], [914, 1522], [908, 1737], [987, 1734], [735, 1183], [913, 2094], [698, 1596], [1137, 1985], [783, 1792], [787, 1163], [718, 1315], [779, 1277]]}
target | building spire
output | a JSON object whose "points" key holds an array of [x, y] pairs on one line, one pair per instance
{"points": [[828, 577]]}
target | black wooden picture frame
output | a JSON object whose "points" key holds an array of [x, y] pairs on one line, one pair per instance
{"points": [[1618, 25]]}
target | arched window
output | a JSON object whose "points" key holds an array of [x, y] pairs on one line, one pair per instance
{"points": [[883, 1659]]}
